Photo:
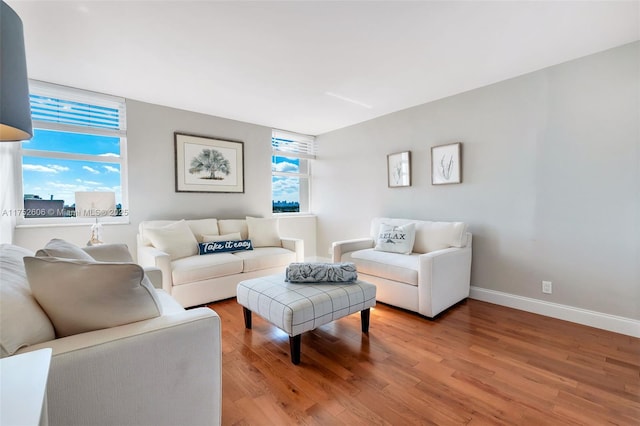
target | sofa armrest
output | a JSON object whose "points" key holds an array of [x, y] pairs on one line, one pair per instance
{"points": [[338, 248], [296, 245], [152, 257], [161, 371], [444, 278], [155, 276]]}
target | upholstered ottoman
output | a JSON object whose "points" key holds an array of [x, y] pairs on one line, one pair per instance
{"points": [[296, 308]]}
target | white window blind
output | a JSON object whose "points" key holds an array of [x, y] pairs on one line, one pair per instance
{"points": [[290, 144], [64, 108]]}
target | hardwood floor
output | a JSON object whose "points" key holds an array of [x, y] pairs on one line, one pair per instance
{"points": [[478, 363]]}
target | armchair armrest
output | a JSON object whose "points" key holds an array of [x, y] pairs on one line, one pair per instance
{"points": [[444, 278], [155, 276], [338, 248], [161, 371], [296, 245], [152, 257]]}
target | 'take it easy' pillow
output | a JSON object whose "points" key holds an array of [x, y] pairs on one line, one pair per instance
{"points": [[396, 239], [80, 296], [225, 246]]}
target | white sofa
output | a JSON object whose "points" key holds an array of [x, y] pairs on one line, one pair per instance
{"points": [[164, 370], [433, 277], [194, 279]]}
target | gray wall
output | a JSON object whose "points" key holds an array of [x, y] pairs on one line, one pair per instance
{"points": [[150, 148], [551, 180]]}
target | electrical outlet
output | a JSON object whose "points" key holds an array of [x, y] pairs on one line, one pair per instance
{"points": [[547, 287]]}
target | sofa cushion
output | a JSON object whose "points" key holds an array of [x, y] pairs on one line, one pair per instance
{"points": [[396, 238], [234, 236], [151, 224], [264, 232], [109, 253], [201, 227], [432, 236], [228, 226], [80, 296], [392, 266], [199, 268], [265, 257], [63, 249], [22, 320], [176, 239]]}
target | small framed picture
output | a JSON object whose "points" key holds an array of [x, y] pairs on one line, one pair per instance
{"points": [[446, 164], [206, 164], [399, 169]]}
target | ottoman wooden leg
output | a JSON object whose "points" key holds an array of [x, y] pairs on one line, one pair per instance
{"points": [[247, 317], [294, 343], [364, 319]]}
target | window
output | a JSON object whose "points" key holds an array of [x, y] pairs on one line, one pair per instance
{"points": [[78, 150], [291, 171]]}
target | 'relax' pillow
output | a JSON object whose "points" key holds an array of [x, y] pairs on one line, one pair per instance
{"points": [[396, 239]]}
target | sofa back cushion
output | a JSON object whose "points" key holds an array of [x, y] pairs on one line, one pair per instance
{"points": [[201, 227], [229, 226], [264, 232], [80, 295], [22, 320], [430, 236], [175, 239]]}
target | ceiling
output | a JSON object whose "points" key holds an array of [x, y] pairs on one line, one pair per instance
{"points": [[306, 66]]}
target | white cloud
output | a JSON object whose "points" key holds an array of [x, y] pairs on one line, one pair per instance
{"points": [[111, 169], [91, 170], [38, 168], [285, 166], [58, 168], [109, 154]]}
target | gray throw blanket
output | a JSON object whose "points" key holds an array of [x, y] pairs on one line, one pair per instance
{"points": [[321, 272]]}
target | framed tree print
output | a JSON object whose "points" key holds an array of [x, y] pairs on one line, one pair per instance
{"points": [[446, 166], [205, 164]]}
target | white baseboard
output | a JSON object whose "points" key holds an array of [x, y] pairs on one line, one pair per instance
{"points": [[622, 325]]}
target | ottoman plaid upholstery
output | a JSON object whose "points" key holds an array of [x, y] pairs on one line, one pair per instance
{"points": [[296, 308]]}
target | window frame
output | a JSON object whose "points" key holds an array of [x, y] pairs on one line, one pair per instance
{"points": [[302, 147], [41, 88]]}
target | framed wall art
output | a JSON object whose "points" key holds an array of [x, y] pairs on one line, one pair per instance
{"points": [[399, 169], [446, 164], [205, 164]]}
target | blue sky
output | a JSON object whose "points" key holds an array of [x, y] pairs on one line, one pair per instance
{"points": [[62, 177], [285, 188]]}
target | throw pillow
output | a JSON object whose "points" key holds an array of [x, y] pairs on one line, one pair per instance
{"points": [[234, 236], [264, 232], [80, 296], [396, 239], [109, 253], [175, 239], [225, 246], [63, 249], [22, 320]]}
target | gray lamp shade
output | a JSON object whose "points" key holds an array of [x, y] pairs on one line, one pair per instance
{"points": [[15, 112]]}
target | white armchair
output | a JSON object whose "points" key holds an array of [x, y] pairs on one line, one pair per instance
{"points": [[435, 276]]}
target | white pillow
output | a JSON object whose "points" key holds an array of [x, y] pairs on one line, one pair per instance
{"points": [[264, 232], [109, 253], [80, 296], [175, 239], [63, 249], [22, 320], [234, 236], [395, 238], [201, 227]]}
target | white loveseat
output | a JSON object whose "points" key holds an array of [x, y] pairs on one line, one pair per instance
{"points": [[164, 370], [194, 279], [434, 276]]}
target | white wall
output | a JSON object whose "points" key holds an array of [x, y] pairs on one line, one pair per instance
{"points": [[551, 180], [150, 139]]}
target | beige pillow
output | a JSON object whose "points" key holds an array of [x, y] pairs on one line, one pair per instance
{"points": [[63, 249], [109, 253], [264, 232], [234, 236], [22, 320], [175, 239], [228, 226], [80, 296]]}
